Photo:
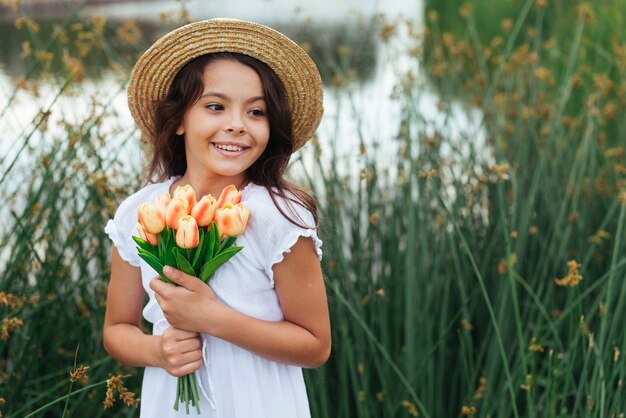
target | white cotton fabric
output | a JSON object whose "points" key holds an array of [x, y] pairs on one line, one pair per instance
{"points": [[241, 384]]}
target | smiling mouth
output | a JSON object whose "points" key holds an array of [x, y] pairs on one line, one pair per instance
{"points": [[231, 148]]}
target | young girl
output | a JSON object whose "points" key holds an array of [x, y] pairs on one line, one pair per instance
{"points": [[225, 102]]}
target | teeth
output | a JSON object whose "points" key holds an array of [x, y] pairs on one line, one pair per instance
{"points": [[229, 147]]}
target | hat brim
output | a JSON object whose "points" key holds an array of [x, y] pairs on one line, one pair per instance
{"points": [[152, 75]]}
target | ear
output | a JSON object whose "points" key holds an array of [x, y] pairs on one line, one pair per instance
{"points": [[180, 130]]}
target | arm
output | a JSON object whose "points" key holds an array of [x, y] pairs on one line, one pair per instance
{"points": [[303, 338], [176, 351]]}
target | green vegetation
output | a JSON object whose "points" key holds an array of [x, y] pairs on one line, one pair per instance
{"points": [[477, 272]]}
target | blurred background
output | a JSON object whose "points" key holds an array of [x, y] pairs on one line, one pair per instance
{"points": [[471, 175]]}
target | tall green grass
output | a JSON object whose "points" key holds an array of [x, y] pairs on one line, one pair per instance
{"points": [[440, 262], [441, 266]]}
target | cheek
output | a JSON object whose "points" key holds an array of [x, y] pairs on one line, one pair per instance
{"points": [[264, 134]]}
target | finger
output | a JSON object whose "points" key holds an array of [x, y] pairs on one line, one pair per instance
{"points": [[181, 278], [181, 334], [158, 285], [190, 357], [158, 298], [187, 368], [179, 359], [190, 345]]}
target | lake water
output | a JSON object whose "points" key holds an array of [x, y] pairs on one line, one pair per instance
{"points": [[360, 110]]}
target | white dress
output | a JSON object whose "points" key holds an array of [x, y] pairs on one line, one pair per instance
{"points": [[236, 383]]}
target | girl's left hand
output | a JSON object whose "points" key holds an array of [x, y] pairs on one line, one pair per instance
{"points": [[191, 306]]}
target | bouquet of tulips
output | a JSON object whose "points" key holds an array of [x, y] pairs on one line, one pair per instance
{"points": [[193, 236]]}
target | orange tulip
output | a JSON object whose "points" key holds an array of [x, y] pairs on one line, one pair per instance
{"points": [[204, 210], [151, 218], [162, 201], [231, 220], [229, 194], [187, 235], [186, 192], [153, 239], [177, 208]]}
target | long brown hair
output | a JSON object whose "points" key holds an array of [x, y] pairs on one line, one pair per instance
{"points": [[168, 149]]}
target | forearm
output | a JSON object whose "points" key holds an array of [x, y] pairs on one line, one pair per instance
{"points": [[282, 341], [129, 345]]}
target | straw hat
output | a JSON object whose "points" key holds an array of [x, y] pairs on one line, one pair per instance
{"points": [[155, 70]]}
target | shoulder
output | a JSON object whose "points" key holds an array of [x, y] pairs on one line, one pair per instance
{"points": [[275, 225]]}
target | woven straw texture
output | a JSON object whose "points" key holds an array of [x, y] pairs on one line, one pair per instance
{"points": [[155, 70]]}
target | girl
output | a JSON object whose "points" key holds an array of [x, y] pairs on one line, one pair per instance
{"points": [[225, 102]]}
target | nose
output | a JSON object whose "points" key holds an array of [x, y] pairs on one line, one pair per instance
{"points": [[235, 125]]}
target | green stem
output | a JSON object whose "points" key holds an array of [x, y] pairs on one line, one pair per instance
{"points": [[488, 304], [67, 401], [178, 391], [514, 297], [62, 398], [186, 393], [380, 347], [194, 393]]}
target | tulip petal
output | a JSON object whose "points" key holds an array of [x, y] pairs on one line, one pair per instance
{"points": [[229, 194], [177, 209], [151, 218], [187, 193], [187, 234]]}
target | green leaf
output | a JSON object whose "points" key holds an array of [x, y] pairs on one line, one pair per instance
{"points": [[200, 250], [212, 265], [212, 238], [145, 245], [161, 245], [226, 243], [216, 243], [170, 258], [182, 262], [155, 263]]}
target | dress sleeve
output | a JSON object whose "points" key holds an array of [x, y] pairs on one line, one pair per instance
{"points": [[121, 228], [276, 235]]}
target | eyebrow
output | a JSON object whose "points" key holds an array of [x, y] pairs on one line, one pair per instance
{"points": [[225, 97]]}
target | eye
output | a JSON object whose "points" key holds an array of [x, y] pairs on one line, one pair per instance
{"points": [[214, 106], [257, 112]]}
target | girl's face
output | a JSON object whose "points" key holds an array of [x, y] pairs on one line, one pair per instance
{"points": [[227, 129]]}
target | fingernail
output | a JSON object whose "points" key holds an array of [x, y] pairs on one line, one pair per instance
{"points": [[167, 270]]}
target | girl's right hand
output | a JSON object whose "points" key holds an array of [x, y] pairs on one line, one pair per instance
{"points": [[180, 351]]}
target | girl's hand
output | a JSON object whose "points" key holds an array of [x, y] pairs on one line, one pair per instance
{"points": [[191, 306], [180, 351]]}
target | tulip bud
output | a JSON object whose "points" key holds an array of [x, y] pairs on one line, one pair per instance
{"points": [[162, 201], [177, 208], [153, 239], [204, 210], [231, 220], [187, 235], [186, 192], [229, 194], [151, 218]]}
